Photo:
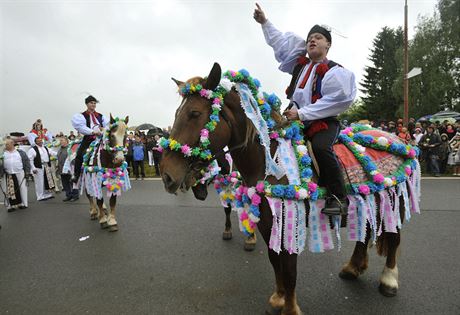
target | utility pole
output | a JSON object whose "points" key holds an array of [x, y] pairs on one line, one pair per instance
{"points": [[406, 66]]}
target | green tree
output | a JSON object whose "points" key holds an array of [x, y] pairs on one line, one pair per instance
{"points": [[380, 102], [436, 49]]}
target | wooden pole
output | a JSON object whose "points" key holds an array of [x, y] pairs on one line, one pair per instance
{"points": [[406, 66]]}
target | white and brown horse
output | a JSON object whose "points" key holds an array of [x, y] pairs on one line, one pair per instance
{"points": [[104, 165]]}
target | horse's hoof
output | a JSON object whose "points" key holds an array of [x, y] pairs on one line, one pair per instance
{"points": [[113, 228], [387, 291], [249, 247], [93, 217], [347, 275], [104, 225], [273, 310], [227, 236]]}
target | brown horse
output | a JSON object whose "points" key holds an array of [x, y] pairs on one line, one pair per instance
{"points": [[106, 159], [233, 131]]}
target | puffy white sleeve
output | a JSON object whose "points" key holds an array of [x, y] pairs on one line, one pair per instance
{"points": [[288, 47], [31, 138], [79, 123], [105, 121], [31, 154], [338, 90]]}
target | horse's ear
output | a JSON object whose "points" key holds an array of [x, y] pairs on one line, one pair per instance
{"points": [[179, 83], [213, 79], [126, 120], [111, 119]]}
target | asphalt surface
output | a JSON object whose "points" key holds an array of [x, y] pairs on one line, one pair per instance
{"points": [[169, 258]]}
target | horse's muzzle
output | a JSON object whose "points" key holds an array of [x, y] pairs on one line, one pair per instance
{"points": [[171, 185]]}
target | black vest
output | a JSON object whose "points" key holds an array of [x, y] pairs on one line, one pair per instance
{"points": [[38, 158], [88, 122], [296, 74]]}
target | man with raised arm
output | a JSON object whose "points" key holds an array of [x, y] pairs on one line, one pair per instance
{"points": [[319, 91], [90, 124]]}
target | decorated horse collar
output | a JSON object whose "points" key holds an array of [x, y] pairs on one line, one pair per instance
{"points": [[106, 137], [105, 140], [229, 78]]}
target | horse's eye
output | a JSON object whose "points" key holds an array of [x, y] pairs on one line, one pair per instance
{"points": [[195, 114]]}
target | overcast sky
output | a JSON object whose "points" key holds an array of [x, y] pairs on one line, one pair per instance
{"points": [[53, 53]]}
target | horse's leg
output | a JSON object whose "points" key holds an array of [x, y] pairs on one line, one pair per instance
{"points": [[389, 278], [113, 226], [250, 243], [359, 260], [102, 215], [93, 207], [276, 301], [289, 275], [227, 235]]}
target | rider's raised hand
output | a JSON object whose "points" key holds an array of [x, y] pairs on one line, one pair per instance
{"points": [[259, 15]]}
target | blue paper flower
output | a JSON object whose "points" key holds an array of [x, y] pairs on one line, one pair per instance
{"points": [[244, 72], [278, 191]]}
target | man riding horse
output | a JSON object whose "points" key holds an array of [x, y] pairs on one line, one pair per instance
{"points": [[320, 90], [90, 124]]}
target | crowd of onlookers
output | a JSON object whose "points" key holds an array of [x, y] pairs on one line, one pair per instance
{"points": [[439, 142], [49, 161]]}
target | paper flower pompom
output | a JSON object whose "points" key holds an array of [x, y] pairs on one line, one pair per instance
{"points": [[382, 141]]}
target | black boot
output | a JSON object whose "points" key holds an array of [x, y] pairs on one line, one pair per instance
{"points": [[335, 206]]}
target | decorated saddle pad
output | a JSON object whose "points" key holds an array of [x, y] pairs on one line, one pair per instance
{"points": [[386, 162]]}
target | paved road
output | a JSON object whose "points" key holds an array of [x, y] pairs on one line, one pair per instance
{"points": [[169, 258]]}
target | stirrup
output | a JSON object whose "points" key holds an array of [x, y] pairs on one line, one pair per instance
{"points": [[334, 206]]}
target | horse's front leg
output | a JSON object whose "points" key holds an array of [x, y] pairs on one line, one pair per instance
{"points": [[277, 299], [289, 277], [102, 215], [112, 222], [359, 260], [92, 207], [250, 242], [227, 234], [389, 278]]}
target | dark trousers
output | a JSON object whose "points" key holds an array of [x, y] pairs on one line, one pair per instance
{"points": [[67, 185], [136, 165], [330, 172], [156, 162], [80, 153], [432, 164]]}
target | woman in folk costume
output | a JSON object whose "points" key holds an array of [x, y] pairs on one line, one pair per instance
{"points": [[320, 90], [15, 167], [39, 157], [39, 132], [90, 124], [454, 155]]}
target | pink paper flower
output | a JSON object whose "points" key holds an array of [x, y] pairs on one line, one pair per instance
{"points": [[378, 178], [364, 189], [411, 153], [203, 93], [408, 170], [256, 200], [243, 216], [312, 186], [204, 133], [186, 150], [260, 187]]}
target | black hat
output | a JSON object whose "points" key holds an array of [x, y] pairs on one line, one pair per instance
{"points": [[91, 99], [321, 30]]}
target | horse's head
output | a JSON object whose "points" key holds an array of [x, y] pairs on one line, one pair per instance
{"points": [[197, 133], [115, 139]]}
